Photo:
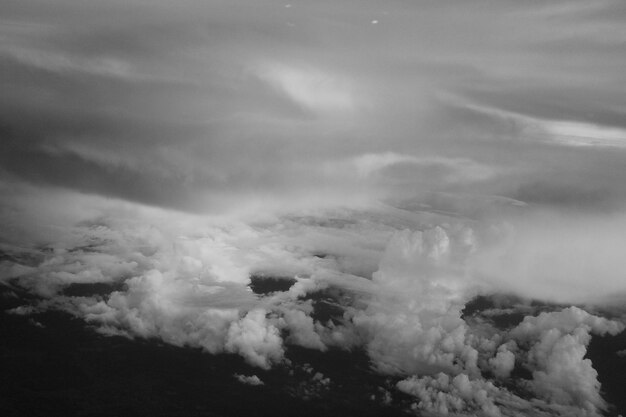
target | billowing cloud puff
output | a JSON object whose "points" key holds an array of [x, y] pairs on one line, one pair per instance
{"points": [[258, 341], [413, 320], [558, 341], [302, 329], [413, 326], [154, 305], [444, 395], [504, 361], [552, 346], [249, 380], [392, 282]]}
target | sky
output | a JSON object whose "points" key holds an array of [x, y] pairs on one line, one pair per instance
{"points": [[209, 105], [430, 151]]}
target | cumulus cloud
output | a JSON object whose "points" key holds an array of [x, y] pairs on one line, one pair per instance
{"points": [[249, 380], [390, 282], [443, 395], [560, 372], [552, 346], [414, 319], [256, 340], [504, 361], [413, 325], [302, 329]]}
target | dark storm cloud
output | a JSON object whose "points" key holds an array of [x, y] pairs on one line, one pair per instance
{"points": [[183, 106]]}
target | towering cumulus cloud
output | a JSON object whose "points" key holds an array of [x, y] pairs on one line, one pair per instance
{"points": [[436, 191]]}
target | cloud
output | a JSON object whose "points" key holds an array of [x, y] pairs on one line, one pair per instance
{"points": [[211, 111], [184, 279], [555, 131], [561, 374], [504, 361], [586, 134], [255, 339], [395, 170], [552, 346], [551, 256], [443, 395], [429, 169], [249, 380], [98, 66], [302, 330], [311, 88], [413, 324], [566, 196]]}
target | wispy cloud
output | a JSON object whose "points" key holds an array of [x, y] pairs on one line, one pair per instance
{"points": [[311, 88], [434, 168]]}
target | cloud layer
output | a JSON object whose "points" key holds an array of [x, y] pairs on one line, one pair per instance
{"points": [[216, 106], [395, 286], [387, 163]]}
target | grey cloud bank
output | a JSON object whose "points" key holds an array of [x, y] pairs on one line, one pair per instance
{"points": [[201, 105]]}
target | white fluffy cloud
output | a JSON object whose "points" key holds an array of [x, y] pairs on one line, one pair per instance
{"points": [[404, 279], [552, 346], [558, 341], [249, 379], [444, 395], [413, 321], [258, 341]]}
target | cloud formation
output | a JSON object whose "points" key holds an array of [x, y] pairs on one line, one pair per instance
{"points": [[389, 162], [221, 106], [187, 282], [249, 380]]}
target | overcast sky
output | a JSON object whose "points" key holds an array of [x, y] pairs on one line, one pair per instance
{"points": [[137, 136], [202, 105]]}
